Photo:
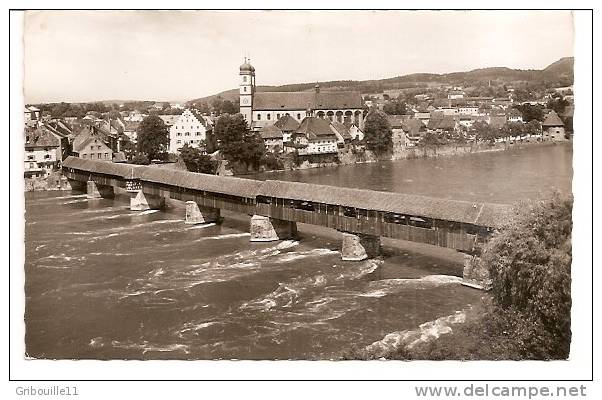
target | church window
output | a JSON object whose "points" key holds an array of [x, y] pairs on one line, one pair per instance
{"points": [[258, 117], [244, 79], [269, 116], [244, 89], [298, 116]]}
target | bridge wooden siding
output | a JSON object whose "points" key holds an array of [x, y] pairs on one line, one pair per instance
{"points": [[459, 225]]}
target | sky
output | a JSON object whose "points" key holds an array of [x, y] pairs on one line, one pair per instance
{"points": [[78, 56]]}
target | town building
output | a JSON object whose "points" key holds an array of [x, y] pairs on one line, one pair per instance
{"points": [[131, 130], [455, 94], [257, 107], [273, 138], [31, 115], [444, 124], [553, 127], [314, 136], [398, 135], [91, 143], [514, 115], [342, 133], [414, 130], [190, 128], [468, 110], [42, 152], [288, 125]]}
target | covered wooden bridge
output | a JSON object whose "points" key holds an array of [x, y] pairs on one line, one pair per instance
{"points": [[363, 216]]}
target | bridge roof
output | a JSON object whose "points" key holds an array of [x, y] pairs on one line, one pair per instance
{"points": [[197, 181], [482, 214], [190, 180], [101, 167]]}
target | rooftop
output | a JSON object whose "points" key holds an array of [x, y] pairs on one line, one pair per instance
{"points": [[303, 100]]}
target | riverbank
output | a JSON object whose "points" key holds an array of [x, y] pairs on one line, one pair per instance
{"points": [[52, 182], [348, 156]]}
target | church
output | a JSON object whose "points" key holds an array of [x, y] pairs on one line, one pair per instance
{"points": [[264, 108]]}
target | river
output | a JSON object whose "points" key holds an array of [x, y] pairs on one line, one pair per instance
{"points": [[103, 282]]}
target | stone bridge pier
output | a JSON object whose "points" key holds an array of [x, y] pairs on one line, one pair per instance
{"points": [[475, 273], [358, 247], [140, 201], [97, 191], [266, 229], [78, 186], [196, 214]]}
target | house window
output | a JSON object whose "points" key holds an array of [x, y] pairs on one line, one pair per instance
{"points": [[84, 155], [30, 157], [179, 134], [32, 165], [179, 142], [99, 156], [106, 155], [198, 133], [187, 134], [277, 116], [298, 116]]}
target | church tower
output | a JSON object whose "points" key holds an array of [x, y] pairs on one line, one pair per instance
{"points": [[247, 90]]}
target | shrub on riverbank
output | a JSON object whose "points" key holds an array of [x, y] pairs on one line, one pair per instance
{"points": [[527, 315]]}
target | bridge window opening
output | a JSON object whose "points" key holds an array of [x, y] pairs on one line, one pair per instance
{"points": [[393, 218], [421, 223], [264, 200], [362, 214], [350, 212]]}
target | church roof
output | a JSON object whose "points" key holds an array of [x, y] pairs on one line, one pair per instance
{"points": [[312, 127], [552, 119], [304, 100], [287, 124]]}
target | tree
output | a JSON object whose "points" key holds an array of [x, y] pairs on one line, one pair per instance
{"points": [[377, 132], [236, 143], [196, 161], [395, 108], [152, 138], [228, 108], [533, 127], [558, 105], [529, 261], [129, 150], [530, 112]]}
